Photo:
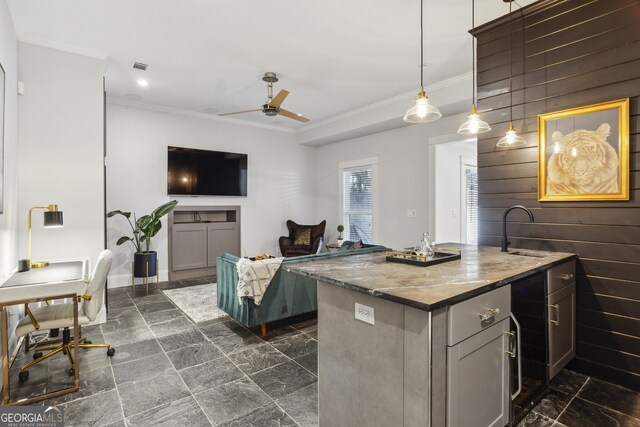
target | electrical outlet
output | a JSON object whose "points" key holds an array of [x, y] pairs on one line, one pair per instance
{"points": [[412, 213], [365, 314]]}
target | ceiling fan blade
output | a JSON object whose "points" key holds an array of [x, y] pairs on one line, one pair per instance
{"points": [[291, 115], [240, 112], [277, 100]]}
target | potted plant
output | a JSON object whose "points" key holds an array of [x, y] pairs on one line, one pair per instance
{"points": [[145, 261], [340, 229]]}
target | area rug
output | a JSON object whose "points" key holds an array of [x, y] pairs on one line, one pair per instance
{"points": [[197, 302]]}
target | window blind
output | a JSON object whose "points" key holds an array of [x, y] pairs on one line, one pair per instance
{"points": [[357, 185], [472, 206]]}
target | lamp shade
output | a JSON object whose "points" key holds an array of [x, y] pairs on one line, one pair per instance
{"points": [[422, 112], [474, 124], [53, 219], [511, 139]]}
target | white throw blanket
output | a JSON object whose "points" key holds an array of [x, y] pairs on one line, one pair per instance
{"points": [[255, 276]]}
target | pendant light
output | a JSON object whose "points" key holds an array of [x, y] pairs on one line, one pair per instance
{"points": [[511, 138], [473, 125], [422, 112]]}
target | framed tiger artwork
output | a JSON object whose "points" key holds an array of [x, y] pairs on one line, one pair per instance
{"points": [[583, 153]]}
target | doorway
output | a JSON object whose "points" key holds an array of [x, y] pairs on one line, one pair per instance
{"points": [[456, 192]]}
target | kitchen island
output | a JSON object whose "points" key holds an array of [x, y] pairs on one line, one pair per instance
{"points": [[402, 345]]}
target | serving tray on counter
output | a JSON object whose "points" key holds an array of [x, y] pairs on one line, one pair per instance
{"points": [[411, 258]]}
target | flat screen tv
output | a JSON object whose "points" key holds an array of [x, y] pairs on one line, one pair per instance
{"points": [[195, 172]]}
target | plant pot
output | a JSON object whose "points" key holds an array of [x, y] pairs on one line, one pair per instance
{"points": [[143, 259], [340, 242]]}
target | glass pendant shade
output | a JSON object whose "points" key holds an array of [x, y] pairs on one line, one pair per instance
{"points": [[422, 112], [511, 139], [474, 124]]}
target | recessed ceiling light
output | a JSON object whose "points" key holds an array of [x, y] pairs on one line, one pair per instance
{"points": [[143, 83]]}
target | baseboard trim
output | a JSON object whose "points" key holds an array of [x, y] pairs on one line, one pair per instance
{"points": [[123, 280]]}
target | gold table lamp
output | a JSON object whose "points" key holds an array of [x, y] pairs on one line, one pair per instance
{"points": [[52, 219]]}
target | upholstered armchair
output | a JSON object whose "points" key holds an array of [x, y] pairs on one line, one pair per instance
{"points": [[302, 239]]}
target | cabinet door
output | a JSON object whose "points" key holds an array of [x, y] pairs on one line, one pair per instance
{"points": [[562, 328], [478, 379], [222, 238], [188, 246]]}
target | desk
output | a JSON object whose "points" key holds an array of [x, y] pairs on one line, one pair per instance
{"points": [[58, 280]]}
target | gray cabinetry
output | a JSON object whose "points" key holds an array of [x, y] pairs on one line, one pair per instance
{"points": [[478, 379], [478, 391], [189, 246], [561, 313], [198, 235], [221, 238]]}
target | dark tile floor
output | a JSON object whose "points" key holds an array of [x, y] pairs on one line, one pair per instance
{"points": [[575, 400], [169, 371]]}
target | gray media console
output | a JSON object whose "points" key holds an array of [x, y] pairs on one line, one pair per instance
{"points": [[198, 235]]}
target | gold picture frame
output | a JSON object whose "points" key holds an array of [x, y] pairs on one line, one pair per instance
{"points": [[578, 160]]}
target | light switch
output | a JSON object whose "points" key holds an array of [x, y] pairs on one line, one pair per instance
{"points": [[365, 314]]}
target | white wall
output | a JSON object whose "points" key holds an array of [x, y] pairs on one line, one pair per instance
{"points": [[9, 216], [403, 179], [60, 123], [448, 184], [280, 185]]}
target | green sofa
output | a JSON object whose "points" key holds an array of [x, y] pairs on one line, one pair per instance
{"points": [[288, 294]]}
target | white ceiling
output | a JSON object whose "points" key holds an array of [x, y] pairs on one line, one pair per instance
{"points": [[208, 56]]}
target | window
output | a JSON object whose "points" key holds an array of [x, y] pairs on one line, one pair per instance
{"points": [[471, 174], [358, 199]]}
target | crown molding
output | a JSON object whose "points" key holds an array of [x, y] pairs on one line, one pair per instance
{"points": [[407, 97], [115, 100], [92, 53]]}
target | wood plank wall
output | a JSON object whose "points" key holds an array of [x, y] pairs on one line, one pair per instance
{"points": [[576, 53]]}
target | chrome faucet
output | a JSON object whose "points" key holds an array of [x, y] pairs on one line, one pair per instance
{"points": [[504, 242]]}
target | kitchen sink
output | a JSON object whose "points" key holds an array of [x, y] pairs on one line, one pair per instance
{"points": [[529, 254]]}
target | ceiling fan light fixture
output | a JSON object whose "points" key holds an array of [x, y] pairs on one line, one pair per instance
{"points": [[423, 111], [511, 139], [273, 106], [474, 125]]}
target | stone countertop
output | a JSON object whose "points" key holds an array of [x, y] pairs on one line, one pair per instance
{"points": [[480, 269]]}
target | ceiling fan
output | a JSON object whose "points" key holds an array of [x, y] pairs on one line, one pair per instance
{"points": [[272, 107]]}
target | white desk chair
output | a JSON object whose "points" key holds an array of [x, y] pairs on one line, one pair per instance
{"points": [[58, 316]]}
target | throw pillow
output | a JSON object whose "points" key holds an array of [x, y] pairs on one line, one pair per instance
{"points": [[302, 237]]}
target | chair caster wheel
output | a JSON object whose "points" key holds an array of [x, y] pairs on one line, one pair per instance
{"points": [[72, 372], [87, 342], [111, 352], [23, 376], [37, 355]]}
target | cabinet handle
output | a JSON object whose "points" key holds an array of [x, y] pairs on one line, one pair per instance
{"points": [[557, 314], [489, 314], [566, 277], [512, 348], [519, 352]]}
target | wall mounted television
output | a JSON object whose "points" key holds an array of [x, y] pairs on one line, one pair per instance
{"points": [[194, 172]]}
